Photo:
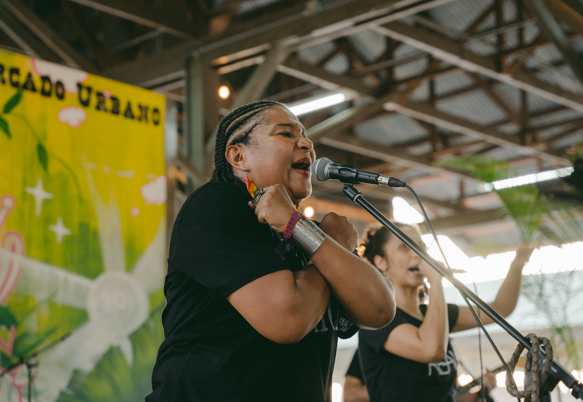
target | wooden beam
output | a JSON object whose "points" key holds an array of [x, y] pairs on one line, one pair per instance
{"points": [[452, 53], [350, 117], [454, 149], [388, 154], [45, 33], [319, 76], [29, 43], [143, 15], [290, 24], [555, 32], [422, 112], [430, 115], [196, 13], [202, 110], [561, 135], [81, 26], [576, 121], [382, 193], [413, 85], [480, 19], [346, 119], [261, 77], [565, 13], [501, 103], [256, 84]]}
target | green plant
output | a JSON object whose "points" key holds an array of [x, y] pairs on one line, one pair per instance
{"points": [[536, 217], [522, 203]]}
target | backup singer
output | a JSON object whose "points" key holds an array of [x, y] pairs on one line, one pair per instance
{"points": [[244, 322], [411, 359]]}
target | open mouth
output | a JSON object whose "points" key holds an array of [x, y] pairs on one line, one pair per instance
{"points": [[415, 270], [302, 165]]}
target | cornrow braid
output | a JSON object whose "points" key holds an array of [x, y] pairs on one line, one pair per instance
{"points": [[239, 122]]}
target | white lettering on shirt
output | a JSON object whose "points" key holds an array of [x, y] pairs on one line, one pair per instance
{"points": [[444, 366]]}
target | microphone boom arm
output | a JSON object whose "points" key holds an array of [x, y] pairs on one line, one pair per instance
{"points": [[558, 372]]}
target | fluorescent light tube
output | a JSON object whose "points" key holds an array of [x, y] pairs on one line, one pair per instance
{"points": [[528, 179], [318, 104]]}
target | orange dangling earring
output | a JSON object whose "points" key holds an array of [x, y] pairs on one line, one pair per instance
{"points": [[251, 187]]}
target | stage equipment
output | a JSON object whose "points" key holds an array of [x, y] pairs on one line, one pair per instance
{"points": [[31, 362], [556, 371], [324, 169]]}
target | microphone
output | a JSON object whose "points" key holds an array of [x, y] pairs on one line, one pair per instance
{"points": [[323, 169]]}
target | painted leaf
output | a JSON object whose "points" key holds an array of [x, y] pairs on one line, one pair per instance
{"points": [[4, 127], [28, 342], [12, 102], [7, 318], [43, 156], [114, 378], [5, 360]]}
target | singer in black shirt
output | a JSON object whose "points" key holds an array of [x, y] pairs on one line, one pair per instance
{"points": [[411, 359], [241, 323]]}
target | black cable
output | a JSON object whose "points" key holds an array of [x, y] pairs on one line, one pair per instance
{"points": [[482, 391], [480, 324]]}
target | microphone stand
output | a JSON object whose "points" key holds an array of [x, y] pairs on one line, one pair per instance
{"points": [[557, 373], [30, 363]]}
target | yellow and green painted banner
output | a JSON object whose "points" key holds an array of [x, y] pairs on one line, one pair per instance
{"points": [[82, 232]]}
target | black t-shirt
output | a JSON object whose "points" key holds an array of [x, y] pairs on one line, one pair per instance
{"points": [[393, 378], [210, 352], [355, 368]]}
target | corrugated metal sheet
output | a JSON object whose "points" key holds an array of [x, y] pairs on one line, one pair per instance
{"points": [[390, 130], [575, 138], [421, 94], [475, 106], [458, 15], [555, 118], [502, 153], [338, 64], [447, 83], [314, 54], [370, 44]]}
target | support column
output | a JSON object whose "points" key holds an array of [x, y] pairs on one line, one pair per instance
{"points": [[202, 109]]}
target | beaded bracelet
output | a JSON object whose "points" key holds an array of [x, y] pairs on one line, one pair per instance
{"points": [[285, 244]]}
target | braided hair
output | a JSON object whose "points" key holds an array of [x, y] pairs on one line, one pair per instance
{"points": [[375, 240], [238, 124]]}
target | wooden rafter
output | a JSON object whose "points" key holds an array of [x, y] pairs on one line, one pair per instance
{"points": [[142, 14], [45, 33], [447, 51], [81, 25]]}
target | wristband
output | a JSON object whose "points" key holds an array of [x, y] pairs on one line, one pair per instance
{"points": [[285, 244], [296, 216], [307, 236]]}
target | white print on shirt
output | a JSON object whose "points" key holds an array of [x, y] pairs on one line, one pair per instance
{"points": [[326, 322], [444, 366]]}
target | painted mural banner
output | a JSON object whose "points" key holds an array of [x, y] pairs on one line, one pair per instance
{"points": [[82, 232]]}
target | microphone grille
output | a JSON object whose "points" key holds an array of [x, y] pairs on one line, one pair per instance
{"points": [[319, 169]]}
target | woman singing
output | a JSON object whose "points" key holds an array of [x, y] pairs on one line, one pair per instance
{"points": [[257, 294], [411, 359]]}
